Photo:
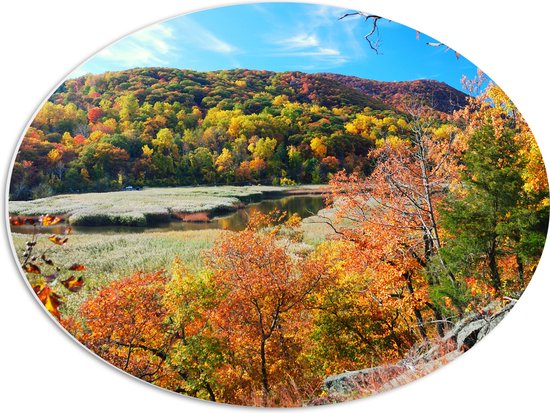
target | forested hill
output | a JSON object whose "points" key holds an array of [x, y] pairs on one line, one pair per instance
{"points": [[440, 96], [253, 89], [163, 127]]}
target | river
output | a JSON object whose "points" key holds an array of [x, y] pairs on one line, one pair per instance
{"points": [[303, 205]]}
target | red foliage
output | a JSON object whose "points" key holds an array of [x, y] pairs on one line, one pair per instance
{"points": [[79, 139], [94, 114]]}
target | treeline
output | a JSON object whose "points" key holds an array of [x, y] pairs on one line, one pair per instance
{"points": [[450, 220], [165, 127]]}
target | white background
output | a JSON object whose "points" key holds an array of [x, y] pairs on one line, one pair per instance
{"points": [[42, 368]]}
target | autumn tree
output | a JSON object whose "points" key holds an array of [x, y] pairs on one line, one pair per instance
{"points": [[399, 200], [497, 214], [94, 114], [368, 304], [196, 351], [262, 288], [124, 323]]}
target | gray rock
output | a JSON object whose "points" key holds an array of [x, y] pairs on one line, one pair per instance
{"points": [[350, 381], [473, 328], [464, 335]]}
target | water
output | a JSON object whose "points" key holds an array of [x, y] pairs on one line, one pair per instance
{"points": [[303, 205]]}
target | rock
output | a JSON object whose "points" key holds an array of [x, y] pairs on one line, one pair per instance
{"points": [[350, 381], [421, 361], [473, 328]]}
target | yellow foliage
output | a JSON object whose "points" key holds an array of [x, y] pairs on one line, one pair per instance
{"points": [[147, 151], [54, 156], [318, 147]]}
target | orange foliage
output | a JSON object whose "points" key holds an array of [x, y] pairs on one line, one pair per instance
{"points": [[94, 114], [395, 222], [262, 288], [331, 162], [125, 325], [79, 139], [493, 106]]}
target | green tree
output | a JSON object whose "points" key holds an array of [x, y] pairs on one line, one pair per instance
{"points": [[486, 209]]}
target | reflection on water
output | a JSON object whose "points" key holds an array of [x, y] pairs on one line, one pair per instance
{"points": [[303, 205]]}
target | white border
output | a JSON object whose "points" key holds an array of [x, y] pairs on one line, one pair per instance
{"points": [[42, 368]]}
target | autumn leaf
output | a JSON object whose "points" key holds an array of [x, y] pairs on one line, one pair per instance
{"points": [[31, 268], [73, 284], [56, 239], [16, 221], [50, 299], [30, 221], [48, 220], [77, 267]]}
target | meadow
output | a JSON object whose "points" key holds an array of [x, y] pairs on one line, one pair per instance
{"points": [[111, 256], [150, 205]]}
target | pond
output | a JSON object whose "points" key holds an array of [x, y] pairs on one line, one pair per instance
{"points": [[303, 205]]}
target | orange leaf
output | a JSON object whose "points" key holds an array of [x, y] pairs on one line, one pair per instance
{"points": [[77, 267], [73, 284], [48, 220], [56, 239], [32, 268], [50, 299], [16, 221]]}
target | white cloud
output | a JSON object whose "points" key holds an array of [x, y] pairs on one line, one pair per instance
{"points": [[299, 41], [325, 55], [324, 15], [308, 45], [149, 46], [157, 36], [195, 34], [311, 36]]}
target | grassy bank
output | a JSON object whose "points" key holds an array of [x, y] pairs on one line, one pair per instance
{"points": [[111, 256], [151, 205]]}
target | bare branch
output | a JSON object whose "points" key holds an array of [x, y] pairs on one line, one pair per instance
{"points": [[374, 29]]}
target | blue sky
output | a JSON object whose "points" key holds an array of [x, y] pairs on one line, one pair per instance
{"points": [[281, 37]]}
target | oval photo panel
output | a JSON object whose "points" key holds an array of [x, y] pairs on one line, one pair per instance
{"points": [[278, 204]]}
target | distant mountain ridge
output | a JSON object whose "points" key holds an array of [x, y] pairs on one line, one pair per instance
{"points": [[438, 95], [224, 87]]}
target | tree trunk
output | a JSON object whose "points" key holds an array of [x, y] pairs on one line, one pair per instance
{"points": [[211, 394], [493, 267], [417, 313], [265, 383], [440, 322], [521, 271]]}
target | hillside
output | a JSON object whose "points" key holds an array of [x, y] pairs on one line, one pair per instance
{"points": [[440, 96], [227, 87], [168, 127]]}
